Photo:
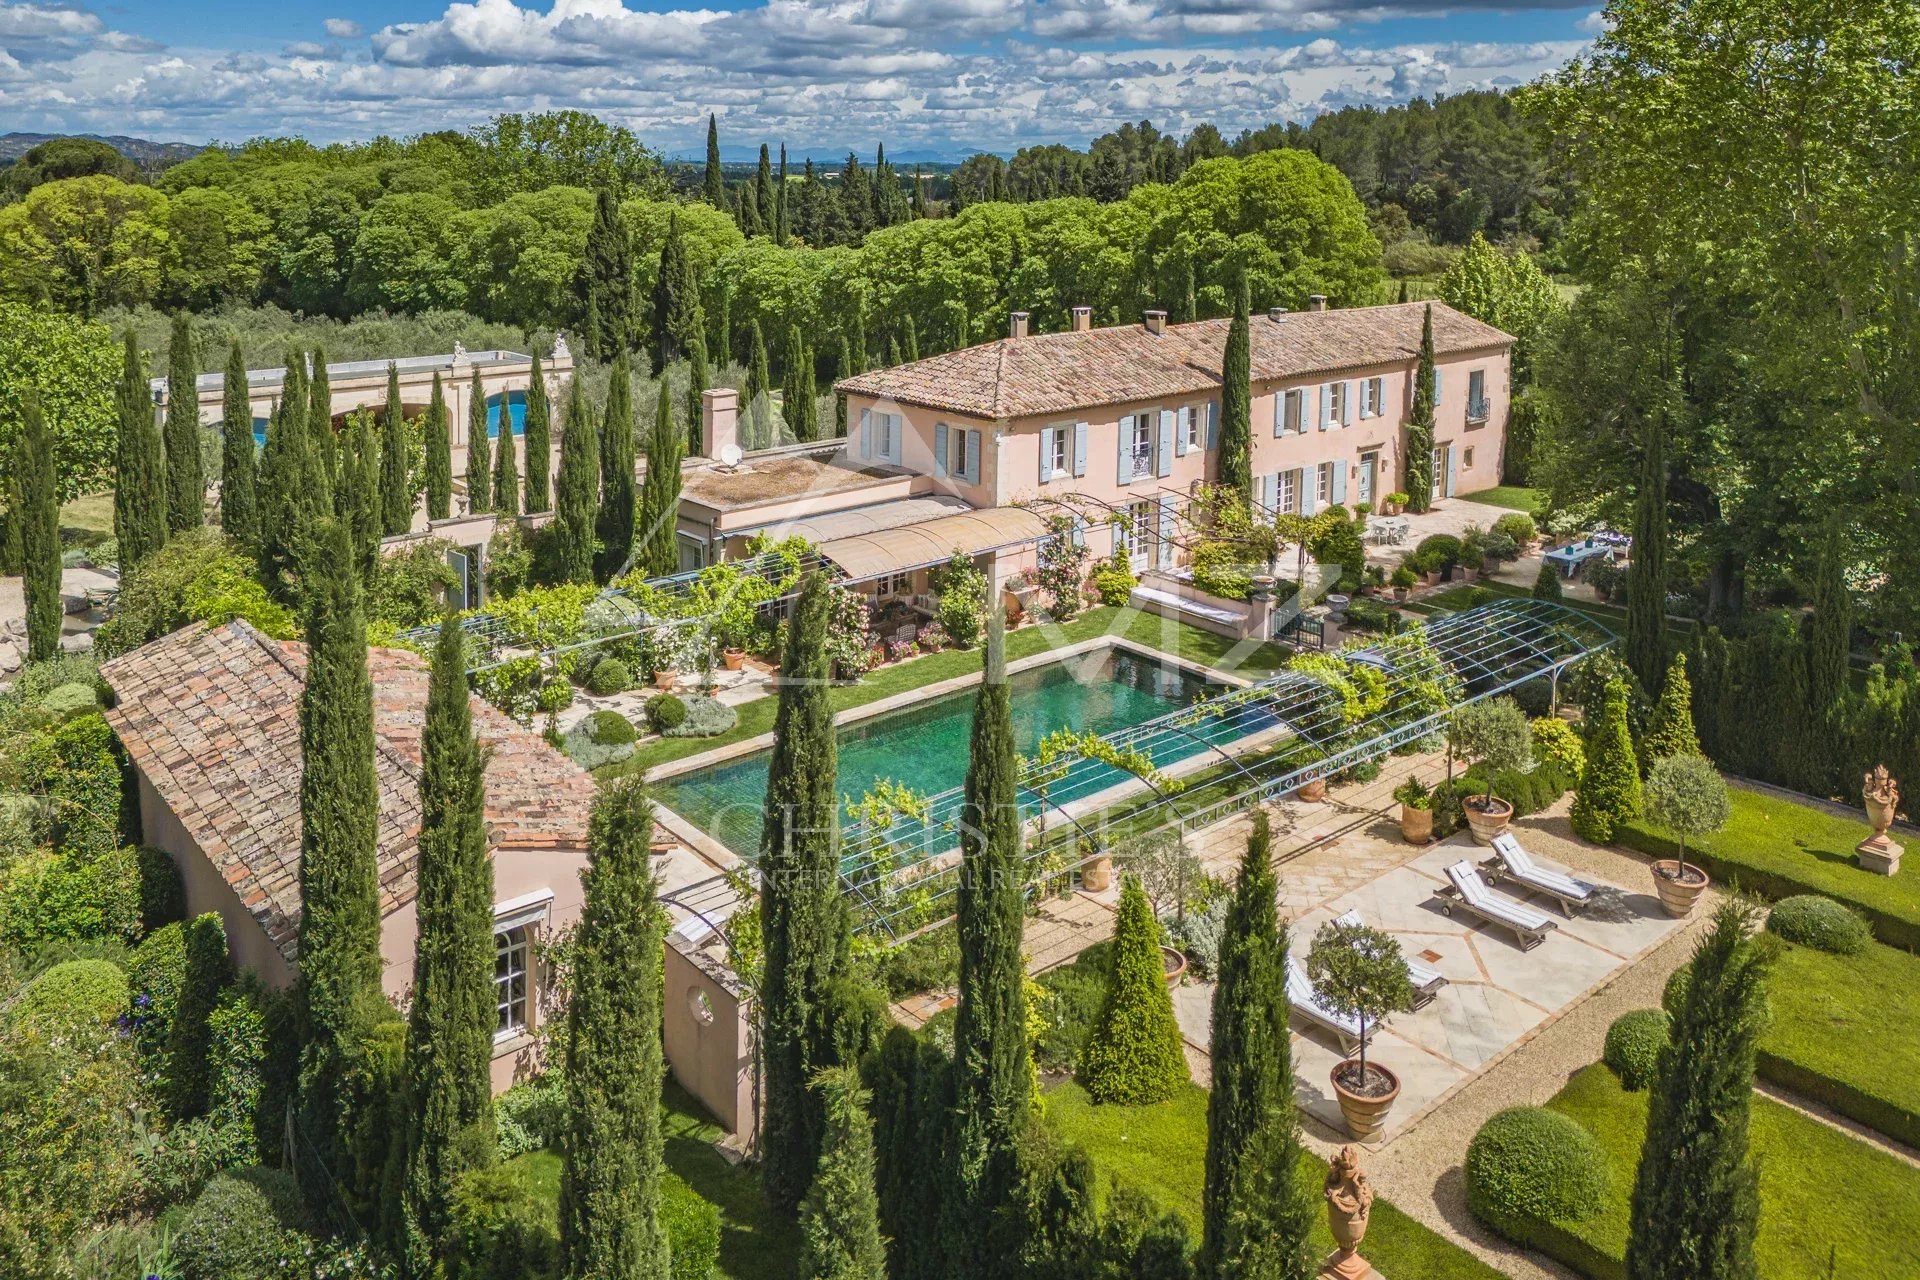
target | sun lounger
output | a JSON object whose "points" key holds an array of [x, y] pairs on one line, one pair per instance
{"points": [[1426, 982], [1517, 865], [1307, 1003], [1470, 894]]}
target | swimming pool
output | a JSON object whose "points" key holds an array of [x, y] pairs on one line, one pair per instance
{"points": [[925, 747]]}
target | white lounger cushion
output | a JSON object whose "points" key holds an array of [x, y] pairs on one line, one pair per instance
{"points": [[1302, 996], [1418, 974], [1522, 867], [1466, 878]]}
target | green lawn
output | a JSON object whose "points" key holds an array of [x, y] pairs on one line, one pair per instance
{"points": [[87, 518], [1161, 1150], [1778, 847], [1808, 1171], [1146, 629], [1511, 496], [1846, 1032]]}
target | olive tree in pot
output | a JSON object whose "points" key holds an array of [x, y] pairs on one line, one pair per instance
{"points": [[1686, 795], [1495, 733], [1360, 974], [1416, 811]]}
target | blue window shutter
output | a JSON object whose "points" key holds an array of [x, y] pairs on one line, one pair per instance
{"points": [[1339, 482], [1346, 405], [1279, 414], [866, 433], [1126, 449], [1179, 431], [1326, 405], [1079, 448], [939, 448], [1451, 454], [1213, 424], [1166, 444], [1046, 454], [1309, 490], [972, 447]]}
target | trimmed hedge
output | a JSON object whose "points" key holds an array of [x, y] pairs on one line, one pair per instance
{"points": [[243, 1225], [1820, 923], [610, 728], [664, 712], [72, 994], [609, 676], [1633, 1046], [1527, 1164]]}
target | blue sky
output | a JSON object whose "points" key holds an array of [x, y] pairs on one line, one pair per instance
{"points": [[927, 77]]}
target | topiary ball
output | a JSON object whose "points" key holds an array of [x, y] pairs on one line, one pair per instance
{"points": [[556, 694], [1529, 1165], [73, 994], [610, 676], [610, 728], [664, 712], [244, 1224], [1820, 923], [1633, 1046]]}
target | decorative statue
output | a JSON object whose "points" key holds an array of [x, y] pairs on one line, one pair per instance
{"points": [[1879, 852], [1349, 1201]]}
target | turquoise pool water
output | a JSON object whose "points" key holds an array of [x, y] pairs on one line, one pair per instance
{"points": [[925, 747]]}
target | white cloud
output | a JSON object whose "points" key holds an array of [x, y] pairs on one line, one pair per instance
{"points": [[1594, 23], [344, 28]]}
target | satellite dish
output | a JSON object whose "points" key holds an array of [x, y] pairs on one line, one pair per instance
{"points": [[730, 454]]}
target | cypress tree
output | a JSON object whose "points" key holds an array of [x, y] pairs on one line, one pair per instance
{"points": [[715, 189], [764, 196], [288, 498], [678, 322], [720, 342], [396, 485], [1236, 402], [759, 393], [660, 496], [320, 415], [1830, 629], [479, 456], [1696, 1196], [1646, 638], [1670, 728], [610, 1147], [339, 819], [780, 216], [1256, 1214], [506, 464], [857, 338], [1419, 465], [239, 517], [615, 521], [993, 1066], [840, 1217], [186, 472], [606, 282], [437, 436], [538, 442], [845, 368], [314, 493], [697, 380], [139, 490], [37, 499], [797, 394], [1134, 1055], [909, 338], [450, 1026], [577, 494], [802, 917], [357, 495], [1609, 791]]}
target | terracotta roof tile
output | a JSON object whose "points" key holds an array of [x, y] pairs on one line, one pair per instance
{"points": [[211, 715], [1122, 364]]}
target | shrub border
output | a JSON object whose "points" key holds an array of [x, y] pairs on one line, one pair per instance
{"points": [[1878, 1114]]}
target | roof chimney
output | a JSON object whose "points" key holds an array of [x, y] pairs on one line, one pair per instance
{"points": [[1082, 319], [1276, 314], [1316, 302], [719, 420], [1156, 322], [1018, 329]]}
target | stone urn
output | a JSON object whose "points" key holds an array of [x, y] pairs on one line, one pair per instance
{"points": [[1313, 792], [1173, 965], [1678, 885], [1365, 1113], [1096, 875], [1416, 825], [1349, 1203], [1879, 852], [1488, 818]]}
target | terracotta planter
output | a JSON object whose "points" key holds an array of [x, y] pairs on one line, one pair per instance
{"points": [[1466, 572], [1097, 875], [665, 680], [1488, 824], [1313, 792], [1173, 964], [1433, 577], [1401, 593], [734, 658], [1416, 825], [1365, 1117], [1678, 897]]}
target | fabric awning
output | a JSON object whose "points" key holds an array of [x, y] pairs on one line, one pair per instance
{"points": [[932, 542], [877, 518]]}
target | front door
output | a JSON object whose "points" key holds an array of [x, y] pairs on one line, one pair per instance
{"points": [[1142, 532], [1369, 468], [1443, 471]]}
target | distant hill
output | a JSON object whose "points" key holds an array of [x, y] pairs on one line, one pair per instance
{"points": [[138, 150]]}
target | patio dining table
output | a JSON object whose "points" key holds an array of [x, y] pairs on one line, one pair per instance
{"points": [[1391, 530], [1568, 559]]}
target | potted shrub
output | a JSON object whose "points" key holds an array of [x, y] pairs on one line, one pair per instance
{"points": [[1395, 503], [1686, 795], [1403, 579], [1416, 811], [1360, 974], [1495, 548], [1495, 733]]}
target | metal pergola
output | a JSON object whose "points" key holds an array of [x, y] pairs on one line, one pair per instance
{"points": [[1221, 754]]}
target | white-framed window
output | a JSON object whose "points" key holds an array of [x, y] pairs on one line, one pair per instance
{"points": [[1143, 519], [1337, 403], [1293, 412], [1059, 452], [899, 584], [1140, 445], [1477, 395], [1323, 485], [1190, 427], [512, 980], [1372, 393], [1286, 498]]}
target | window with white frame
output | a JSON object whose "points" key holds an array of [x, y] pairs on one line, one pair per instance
{"points": [[899, 584], [1190, 426], [1059, 452], [1323, 484], [1286, 496], [1337, 403], [1372, 392], [1140, 445], [1293, 411], [1143, 517], [512, 968], [1477, 395]]}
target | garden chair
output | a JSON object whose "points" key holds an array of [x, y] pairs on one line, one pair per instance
{"points": [[1516, 864], [1469, 893], [1426, 982], [1307, 1003]]}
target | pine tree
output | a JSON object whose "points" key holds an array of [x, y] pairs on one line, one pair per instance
{"points": [[1236, 402], [1256, 1214], [339, 838], [239, 517], [36, 497], [396, 483], [538, 442], [840, 1217], [1419, 464], [715, 187], [660, 496], [577, 493], [1670, 729], [186, 472], [803, 919], [697, 379], [139, 490], [479, 456], [1609, 791], [1696, 1197], [606, 282], [450, 1025], [610, 1147], [320, 438], [437, 436], [797, 393], [1646, 638], [506, 464], [1134, 1055], [759, 392], [993, 1065], [615, 521], [763, 193]]}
